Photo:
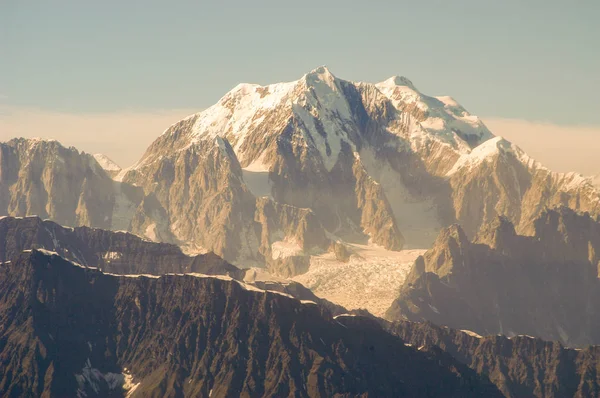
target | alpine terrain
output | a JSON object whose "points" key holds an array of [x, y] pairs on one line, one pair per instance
{"points": [[546, 285], [312, 238], [275, 175]]}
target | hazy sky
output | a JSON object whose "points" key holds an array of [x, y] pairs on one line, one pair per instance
{"points": [[532, 61]]}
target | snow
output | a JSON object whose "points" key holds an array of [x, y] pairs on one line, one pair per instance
{"points": [[522, 335], [150, 232], [322, 99], [471, 333], [344, 315], [443, 116], [482, 153], [416, 217], [242, 110], [112, 256], [491, 149], [258, 165], [53, 253], [134, 275], [123, 209], [106, 163], [370, 280], [238, 111], [47, 252], [246, 286], [94, 378], [284, 249]]}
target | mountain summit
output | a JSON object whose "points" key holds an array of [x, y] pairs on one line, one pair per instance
{"points": [[273, 175]]}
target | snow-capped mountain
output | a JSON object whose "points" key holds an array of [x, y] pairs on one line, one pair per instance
{"points": [[107, 164], [379, 163], [273, 175]]}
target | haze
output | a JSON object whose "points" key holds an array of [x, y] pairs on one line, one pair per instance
{"points": [[111, 82]]}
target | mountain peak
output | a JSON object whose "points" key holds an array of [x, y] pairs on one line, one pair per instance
{"points": [[320, 70], [107, 163], [319, 76], [399, 81]]}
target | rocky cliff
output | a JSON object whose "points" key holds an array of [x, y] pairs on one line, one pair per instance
{"points": [[544, 285]]}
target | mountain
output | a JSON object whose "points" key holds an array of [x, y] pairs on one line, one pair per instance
{"points": [[127, 254], [595, 180], [109, 166], [43, 178], [546, 285], [113, 252], [521, 366], [380, 163], [276, 175], [70, 330]]}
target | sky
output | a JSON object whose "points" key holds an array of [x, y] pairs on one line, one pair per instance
{"points": [[89, 72]]}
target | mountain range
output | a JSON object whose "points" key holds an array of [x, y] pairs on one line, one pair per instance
{"points": [[256, 247], [276, 174], [545, 285]]}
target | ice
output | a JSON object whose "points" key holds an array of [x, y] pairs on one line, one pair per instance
{"points": [[416, 217], [370, 280]]}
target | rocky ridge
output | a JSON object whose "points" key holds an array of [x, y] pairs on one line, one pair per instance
{"points": [[546, 285], [123, 253], [68, 330], [520, 366]]}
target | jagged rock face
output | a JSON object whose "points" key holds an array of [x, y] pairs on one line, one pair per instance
{"points": [[113, 252], [207, 204], [521, 366], [544, 285], [44, 178], [499, 179], [68, 330]]}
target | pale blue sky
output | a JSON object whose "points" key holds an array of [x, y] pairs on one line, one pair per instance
{"points": [[533, 60]]}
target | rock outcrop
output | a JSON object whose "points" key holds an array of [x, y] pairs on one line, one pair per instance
{"points": [[546, 285]]}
